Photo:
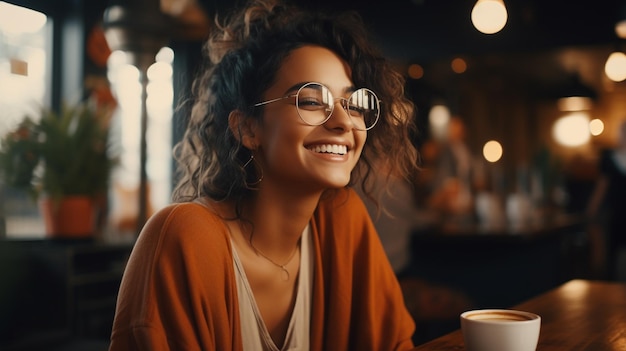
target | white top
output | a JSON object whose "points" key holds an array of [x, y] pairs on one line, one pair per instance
{"points": [[254, 333]]}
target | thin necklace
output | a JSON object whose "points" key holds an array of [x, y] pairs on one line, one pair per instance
{"points": [[285, 273]]}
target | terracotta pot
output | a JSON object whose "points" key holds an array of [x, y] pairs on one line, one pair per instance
{"points": [[70, 217]]}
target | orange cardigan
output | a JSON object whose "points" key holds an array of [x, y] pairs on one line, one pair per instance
{"points": [[179, 291]]}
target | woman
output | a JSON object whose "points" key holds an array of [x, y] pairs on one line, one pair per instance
{"points": [[267, 247]]}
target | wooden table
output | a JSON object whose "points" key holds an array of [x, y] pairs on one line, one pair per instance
{"points": [[579, 315]]}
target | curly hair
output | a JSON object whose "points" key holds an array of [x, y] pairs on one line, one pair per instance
{"points": [[242, 57]]}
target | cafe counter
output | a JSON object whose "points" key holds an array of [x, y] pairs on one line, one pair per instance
{"points": [[499, 266]]}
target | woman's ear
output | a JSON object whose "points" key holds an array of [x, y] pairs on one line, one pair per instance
{"points": [[243, 128]]}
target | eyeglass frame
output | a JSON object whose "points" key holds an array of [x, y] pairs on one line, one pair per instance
{"points": [[342, 99]]}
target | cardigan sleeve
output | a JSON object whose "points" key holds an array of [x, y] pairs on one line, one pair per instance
{"points": [[178, 290], [363, 306]]}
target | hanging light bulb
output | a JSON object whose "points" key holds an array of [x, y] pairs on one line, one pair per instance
{"points": [[575, 95], [615, 67], [489, 16], [572, 129]]}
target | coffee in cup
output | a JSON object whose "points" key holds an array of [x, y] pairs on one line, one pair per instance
{"points": [[500, 330]]}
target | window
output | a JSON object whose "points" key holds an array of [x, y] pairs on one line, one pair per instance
{"points": [[25, 80], [126, 85]]}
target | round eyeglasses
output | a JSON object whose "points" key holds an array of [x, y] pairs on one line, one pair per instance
{"points": [[315, 104]]}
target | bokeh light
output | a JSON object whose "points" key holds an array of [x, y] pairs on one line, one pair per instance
{"points": [[615, 67], [438, 118], [415, 71], [458, 65], [165, 55], [620, 29], [572, 130], [489, 16], [596, 127], [492, 151]]}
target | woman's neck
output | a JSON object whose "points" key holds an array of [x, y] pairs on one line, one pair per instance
{"points": [[276, 220]]}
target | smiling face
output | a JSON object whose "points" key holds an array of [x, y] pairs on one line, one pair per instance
{"points": [[292, 152]]}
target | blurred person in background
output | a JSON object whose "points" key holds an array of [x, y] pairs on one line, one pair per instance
{"points": [[608, 201], [453, 184]]}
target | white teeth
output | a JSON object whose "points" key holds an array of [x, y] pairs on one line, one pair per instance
{"points": [[331, 149]]}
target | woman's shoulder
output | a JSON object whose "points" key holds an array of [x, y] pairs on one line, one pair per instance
{"points": [[185, 224], [344, 212], [184, 214]]}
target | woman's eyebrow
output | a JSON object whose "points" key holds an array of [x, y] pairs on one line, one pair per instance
{"points": [[297, 86], [349, 90]]}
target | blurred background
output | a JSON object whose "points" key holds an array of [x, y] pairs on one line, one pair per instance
{"points": [[516, 102]]}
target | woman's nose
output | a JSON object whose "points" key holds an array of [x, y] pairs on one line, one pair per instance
{"points": [[339, 119]]}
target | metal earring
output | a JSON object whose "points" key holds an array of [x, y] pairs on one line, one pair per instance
{"points": [[253, 186]]}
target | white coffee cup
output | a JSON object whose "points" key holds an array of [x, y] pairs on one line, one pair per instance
{"points": [[500, 330]]}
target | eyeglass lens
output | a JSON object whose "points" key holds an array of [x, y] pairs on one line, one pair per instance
{"points": [[315, 105]]}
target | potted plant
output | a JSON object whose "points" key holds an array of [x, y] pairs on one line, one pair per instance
{"points": [[63, 159]]}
